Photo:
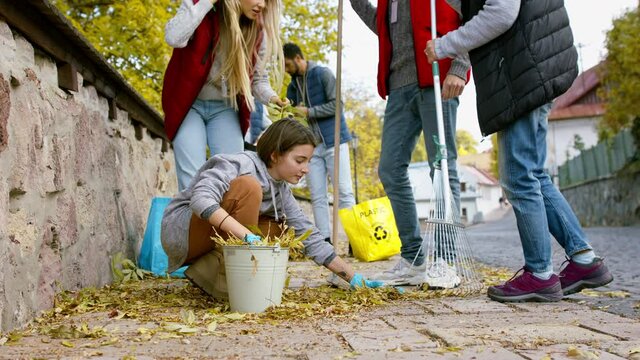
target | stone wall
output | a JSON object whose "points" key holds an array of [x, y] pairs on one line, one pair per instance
{"points": [[75, 186], [608, 202]]}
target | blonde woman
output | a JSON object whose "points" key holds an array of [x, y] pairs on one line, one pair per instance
{"points": [[222, 49]]}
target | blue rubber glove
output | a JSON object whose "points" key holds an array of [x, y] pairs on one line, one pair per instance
{"points": [[251, 239], [358, 281]]}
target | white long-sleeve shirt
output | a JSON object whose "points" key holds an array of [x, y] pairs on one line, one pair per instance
{"points": [[179, 30]]}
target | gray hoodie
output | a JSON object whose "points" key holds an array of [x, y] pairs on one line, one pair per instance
{"points": [[204, 195]]}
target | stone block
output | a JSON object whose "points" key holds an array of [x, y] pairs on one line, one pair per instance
{"points": [[434, 307], [521, 336], [473, 352], [625, 349], [624, 331], [473, 306], [5, 109], [22, 231], [50, 272], [551, 307], [7, 43], [365, 325], [568, 352], [65, 221], [46, 69], [388, 340]]}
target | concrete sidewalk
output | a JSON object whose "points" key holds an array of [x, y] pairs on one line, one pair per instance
{"points": [[444, 328]]}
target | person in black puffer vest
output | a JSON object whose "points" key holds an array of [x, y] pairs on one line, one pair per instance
{"points": [[523, 57]]}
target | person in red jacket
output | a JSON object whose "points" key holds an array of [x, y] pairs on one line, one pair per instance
{"points": [[209, 89], [404, 75]]}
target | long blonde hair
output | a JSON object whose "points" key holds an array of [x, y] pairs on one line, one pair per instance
{"points": [[237, 43]]}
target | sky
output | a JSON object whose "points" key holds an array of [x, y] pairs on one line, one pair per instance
{"points": [[590, 19]]}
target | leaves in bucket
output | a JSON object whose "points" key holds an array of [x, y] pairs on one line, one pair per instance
{"points": [[287, 239]]}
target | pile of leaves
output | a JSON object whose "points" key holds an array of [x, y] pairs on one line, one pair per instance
{"points": [[286, 239], [124, 270], [179, 309]]}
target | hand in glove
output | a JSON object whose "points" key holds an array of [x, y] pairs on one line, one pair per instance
{"points": [[358, 281], [251, 239]]}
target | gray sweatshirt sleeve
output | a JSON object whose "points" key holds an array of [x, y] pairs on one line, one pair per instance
{"points": [[212, 184], [329, 108], [260, 86], [496, 17], [367, 13], [314, 246], [179, 29]]}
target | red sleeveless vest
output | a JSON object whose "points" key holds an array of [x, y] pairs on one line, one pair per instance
{"points": [[448, 20], [187, 72]]}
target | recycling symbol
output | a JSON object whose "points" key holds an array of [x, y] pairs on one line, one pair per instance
{"points": [[380, 233]]}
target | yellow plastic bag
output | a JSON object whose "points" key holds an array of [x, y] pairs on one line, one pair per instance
{"points": [[371, 229]]}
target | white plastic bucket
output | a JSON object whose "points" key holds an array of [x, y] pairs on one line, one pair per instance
{"points": [[255, 276]]}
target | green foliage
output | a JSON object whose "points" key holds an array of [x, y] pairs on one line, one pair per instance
{"points": [[494, 156], [465, 143], [312, 25], [621, 78], [125, 270], [365, 119], [130, 35], [276, 112], [420, 151]]}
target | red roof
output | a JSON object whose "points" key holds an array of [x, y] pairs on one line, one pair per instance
{"points": [[580, 100]]}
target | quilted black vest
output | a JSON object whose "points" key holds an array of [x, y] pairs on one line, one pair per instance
{"points": [[526, 67]]}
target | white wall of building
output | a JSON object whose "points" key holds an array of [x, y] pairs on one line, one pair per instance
{"points": [[560, 140], [477, 197]]}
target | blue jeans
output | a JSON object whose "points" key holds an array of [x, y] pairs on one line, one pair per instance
{"points": [[540, 208], [320, 166], [208, 122], [410, 111], [259, 122]]}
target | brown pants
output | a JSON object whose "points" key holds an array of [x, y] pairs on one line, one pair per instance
{"points": [[242, 201]]}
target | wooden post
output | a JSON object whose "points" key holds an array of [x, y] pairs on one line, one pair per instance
{"points": [[336, 142]]}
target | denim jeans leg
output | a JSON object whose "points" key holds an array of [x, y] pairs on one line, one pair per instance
{"points": [[189, 145], [224, 135], [563, 224], [317, 183], [400, 133], [345, 189], [520, 158]]}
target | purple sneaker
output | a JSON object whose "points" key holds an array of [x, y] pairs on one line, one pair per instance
{"points": [[527, 287], [575, 277]]}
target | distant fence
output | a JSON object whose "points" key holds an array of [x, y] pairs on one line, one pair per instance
{"points": [[598, 162]]}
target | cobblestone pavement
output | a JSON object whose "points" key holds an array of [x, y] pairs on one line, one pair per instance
{"points": [[445, 328], [497, 243]]}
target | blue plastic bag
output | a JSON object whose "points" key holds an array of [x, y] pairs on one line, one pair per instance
{"points": [[152, 256]]}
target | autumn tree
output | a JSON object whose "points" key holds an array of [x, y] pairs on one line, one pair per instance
{"points": [[364, 117], [130, 34], [312, 25], [621, 79], [495, 170], [465, 143]]}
